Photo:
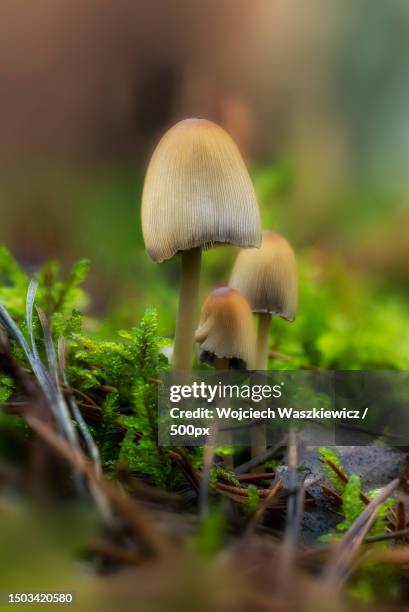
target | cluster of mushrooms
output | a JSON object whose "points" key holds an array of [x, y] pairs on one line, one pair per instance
{"points": [[198, 194]]}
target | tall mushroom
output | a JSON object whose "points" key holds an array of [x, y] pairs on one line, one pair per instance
{"points": [[226, 335], [267, 277], [197, 194]]}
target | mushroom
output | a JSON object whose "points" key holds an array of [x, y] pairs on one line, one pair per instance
{"points": [[267, 277], [226, 335], [197, 194]]}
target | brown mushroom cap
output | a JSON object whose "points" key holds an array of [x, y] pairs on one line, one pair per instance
{"points": [[226, 329], [197, 192], [267, 277]]}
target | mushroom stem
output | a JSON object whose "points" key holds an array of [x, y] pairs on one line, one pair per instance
{"points": [[223, 363], [264, 323], [186, 320], [258, 434]]}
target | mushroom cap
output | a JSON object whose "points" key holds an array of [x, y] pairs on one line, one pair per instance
{"points": [[226, 329], [267, 277], [197, 192]]}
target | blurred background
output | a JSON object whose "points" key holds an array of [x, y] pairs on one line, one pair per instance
{"points": [[315, 94]]}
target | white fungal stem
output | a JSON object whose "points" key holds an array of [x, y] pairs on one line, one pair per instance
{"points": [[186, 319], [223, 363], [258, 434], [263, 335]]}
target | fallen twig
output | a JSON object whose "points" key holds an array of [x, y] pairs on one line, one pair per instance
{"points": [[295, 508], [250, 465], [183, 462], [243, 491], [266, 503], [400, 523], [255, 477]]}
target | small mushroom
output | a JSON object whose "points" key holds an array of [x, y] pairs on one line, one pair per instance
{"points": [[267, 277], [226, 335], [197, 194]]}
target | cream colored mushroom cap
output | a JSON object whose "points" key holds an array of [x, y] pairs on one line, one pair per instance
{"points": [[267, 277], [226, 328], [197, 192]]}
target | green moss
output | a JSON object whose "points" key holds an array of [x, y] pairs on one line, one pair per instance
{"points": [[352, 504], [129, 365], [351, 495], [222, 473], [6, 387], [336, 482], [252, 498], [107, 432]]}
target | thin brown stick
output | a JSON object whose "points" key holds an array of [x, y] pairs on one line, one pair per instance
{"points": [[71, 390], [330, 493], [115, 553], [283, 357], [241, 491], [294, 513], [266, 503], [292, 462], [391, 535], [183, 462], [256, 461], [106, 389], [400, 523], [145, 492], [254, 477], [325, 550], [342, 476]]}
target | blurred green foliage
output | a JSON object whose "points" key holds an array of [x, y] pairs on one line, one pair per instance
{"points": [[128, 366], [96, 214], [343, 322]]}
